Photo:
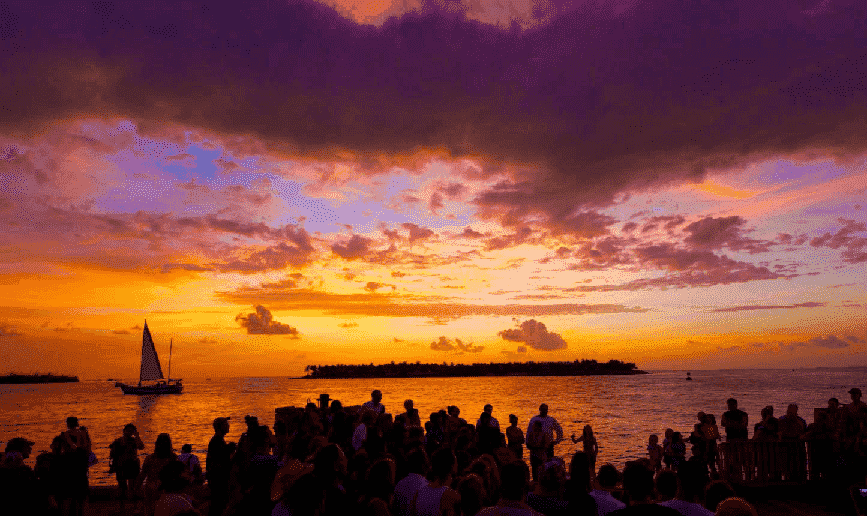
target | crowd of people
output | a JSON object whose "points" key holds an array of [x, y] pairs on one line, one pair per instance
{"points": [[330, 460]]}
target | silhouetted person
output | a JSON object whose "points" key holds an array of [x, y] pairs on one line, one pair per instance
{"points": [[378, 489], [591, 446], [18, 486], [375, 404], [547, 495], [125, 464], [537, 442], [550, 426], [514, 484], [768, 429], [193, 464], [516, 437], [607, 480], [691, 481], [489, 409], [174, 478], [151, 468], [639, 487], [735, 421], [792, 426], [404, 491], [578, 487], [716, 492], [436, 498], [218, 466], [411, 414]]}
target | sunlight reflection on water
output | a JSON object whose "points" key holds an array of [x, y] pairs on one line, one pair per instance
{"points": [[623, 410]]}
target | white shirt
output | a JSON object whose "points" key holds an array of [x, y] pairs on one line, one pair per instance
{"points": [[605, 501], [404, 491], [686, 508], [377, 408], [549, 425], [494, 422], [359, 436], [190, 460]]}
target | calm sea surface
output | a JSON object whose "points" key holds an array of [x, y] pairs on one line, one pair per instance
{"points": [[623, 410]]}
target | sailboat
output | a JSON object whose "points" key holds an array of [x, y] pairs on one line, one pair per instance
{"points": [[151, 370]]}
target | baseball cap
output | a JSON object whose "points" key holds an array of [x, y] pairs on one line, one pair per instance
{"points": [[221, 420], [854, 390]]}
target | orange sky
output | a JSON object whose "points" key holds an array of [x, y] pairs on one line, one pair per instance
{"points": [[477, 192]]}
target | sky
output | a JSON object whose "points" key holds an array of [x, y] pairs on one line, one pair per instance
{"points": [[275, 184]]}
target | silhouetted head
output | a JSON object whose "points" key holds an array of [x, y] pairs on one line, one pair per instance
{"points": [[732, 404], [513, 419], [792, 409], [716, 492], [543, 409], [129, 430], [187, 448], [693, 478], [71, 422], [472, 491], [253, 421], [637, 481], [514, 479], [417, 462], [833, 403], [654, 439], [163, 446], [489, 408], [376, 396], [443, 464], [221, 425], [173, 477], [407, 405], [666, 484], [607, 476], [735, 507], [579, 471]]}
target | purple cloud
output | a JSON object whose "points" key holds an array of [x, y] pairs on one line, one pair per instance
{"points": [[535, 335], [357, 247], [263, 323]]}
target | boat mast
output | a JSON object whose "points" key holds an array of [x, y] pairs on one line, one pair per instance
{"points": [[170, 359]]}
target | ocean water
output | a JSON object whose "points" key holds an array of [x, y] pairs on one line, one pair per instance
{"points": [[623, 410]]}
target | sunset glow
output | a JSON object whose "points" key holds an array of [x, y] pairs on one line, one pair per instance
{"points": [[276, 184]]}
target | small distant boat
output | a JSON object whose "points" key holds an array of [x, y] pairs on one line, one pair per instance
{"points": [[688, 376], [152, 371]]}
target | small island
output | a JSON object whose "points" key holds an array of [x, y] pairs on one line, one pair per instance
{"points": [[444, 370], [15, 378]]}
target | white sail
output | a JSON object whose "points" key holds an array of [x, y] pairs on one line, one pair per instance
{"points": [[150, 362]]}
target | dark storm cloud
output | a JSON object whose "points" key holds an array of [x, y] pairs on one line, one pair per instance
{"points": [[593, 104], [263, 323]]}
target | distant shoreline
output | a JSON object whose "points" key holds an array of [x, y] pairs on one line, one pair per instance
{"points": [[20, 379], [444, 370]]}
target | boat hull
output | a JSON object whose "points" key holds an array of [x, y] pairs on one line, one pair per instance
{"points": [[171, 388]]}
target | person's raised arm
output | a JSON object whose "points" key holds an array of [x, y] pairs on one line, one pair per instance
{"points": [[558, 430]]}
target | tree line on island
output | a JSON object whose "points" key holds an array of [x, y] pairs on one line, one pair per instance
{"points": [[418, 369]]}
